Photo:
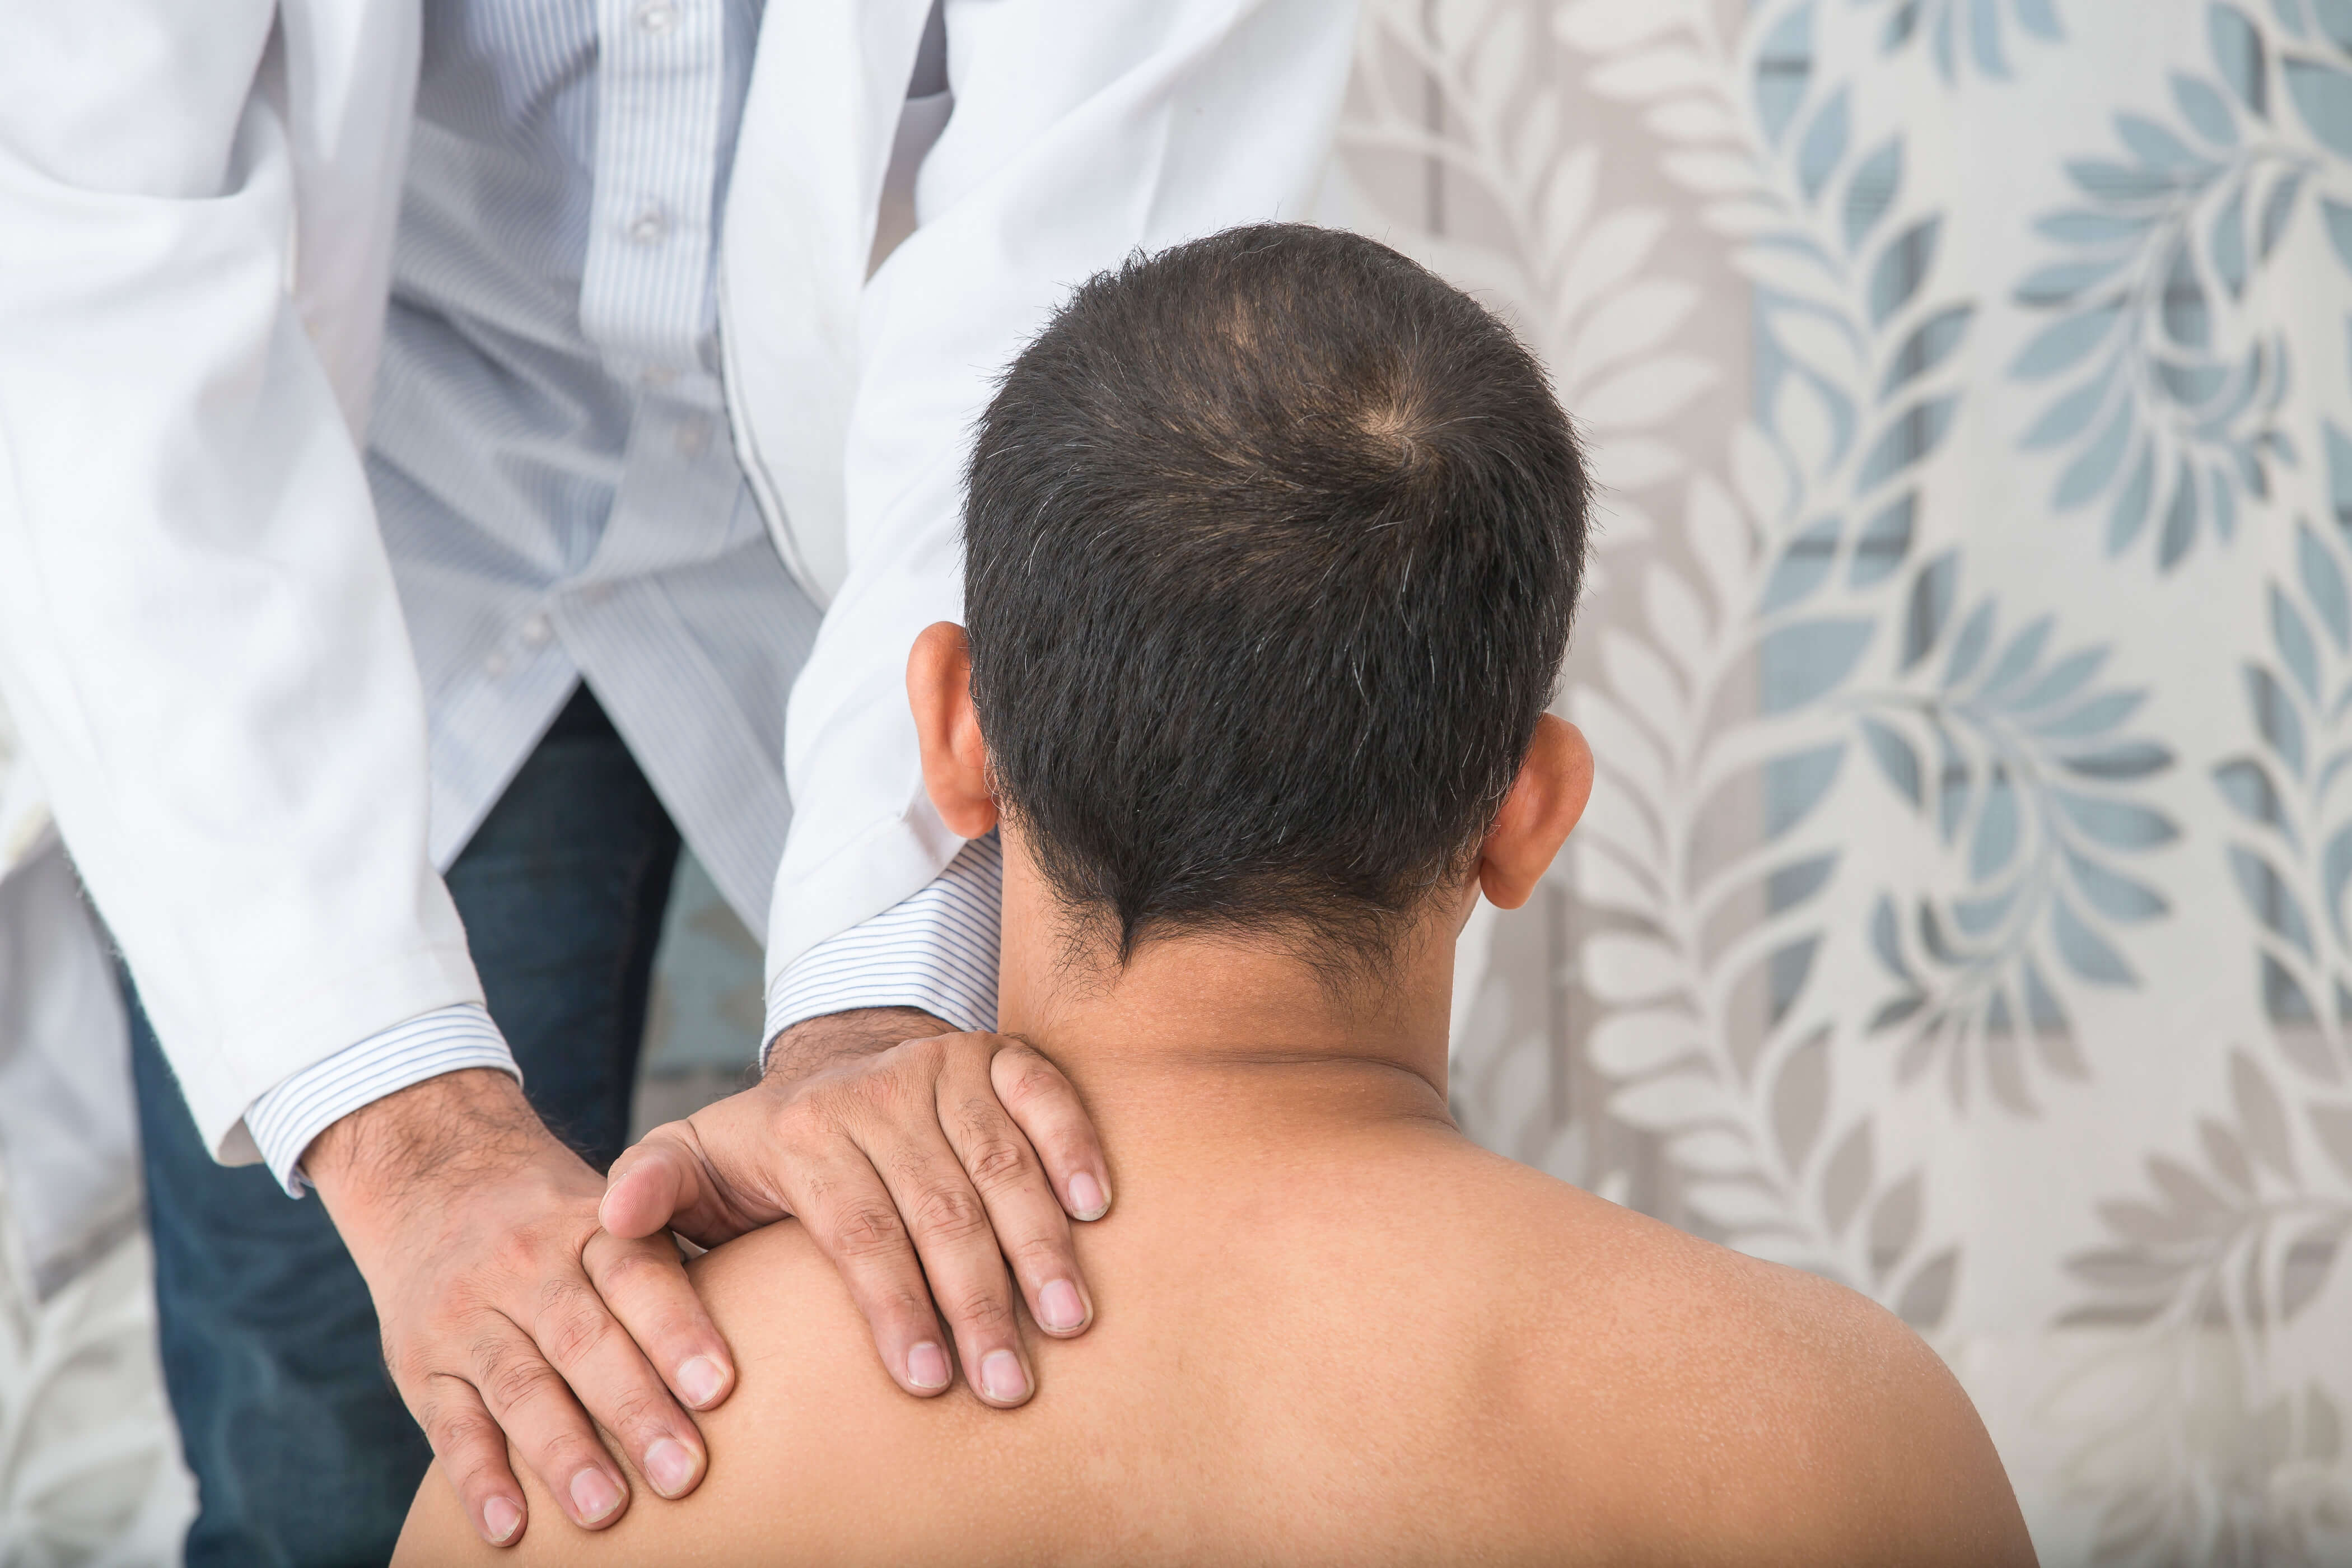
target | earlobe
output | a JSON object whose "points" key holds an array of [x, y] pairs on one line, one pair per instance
{"points": [[955, 757], [1546, 800]]}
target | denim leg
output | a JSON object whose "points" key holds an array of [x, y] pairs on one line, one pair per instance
{"points": [[302, 1451]]}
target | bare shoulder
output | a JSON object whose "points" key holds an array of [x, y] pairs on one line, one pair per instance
{"points": [[811, 1400], [1753, 1412]]}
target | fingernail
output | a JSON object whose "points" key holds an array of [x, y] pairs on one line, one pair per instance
{"points": [[1087, 1198], [926, 1366], [1060, 1307], [700, 1380], [1003, 1378], [670, 1465], [501, 1519], [594, 1495]]}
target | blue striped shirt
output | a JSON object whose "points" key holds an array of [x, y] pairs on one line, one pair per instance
{"points": [[560, 499]]}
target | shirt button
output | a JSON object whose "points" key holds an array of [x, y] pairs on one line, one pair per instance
{"points": [[596, 592], [648, 226], [657, 16], [659, 377], [692, 436], [536, 631], [495, 666]]}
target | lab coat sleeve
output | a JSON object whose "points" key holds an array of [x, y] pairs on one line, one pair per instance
{"points": [[1082, 130], [199, 635]]}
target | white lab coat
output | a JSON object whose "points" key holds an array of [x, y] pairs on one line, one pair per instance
{"points": [[199, 637]]}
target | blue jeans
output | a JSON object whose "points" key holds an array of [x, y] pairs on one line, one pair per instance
{"points": [[304, 1453]]}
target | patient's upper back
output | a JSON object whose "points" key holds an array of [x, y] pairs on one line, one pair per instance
{"points": [[1390, 1347]]}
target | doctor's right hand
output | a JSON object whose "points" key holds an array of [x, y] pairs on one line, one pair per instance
{"points": [[509, 1316]]}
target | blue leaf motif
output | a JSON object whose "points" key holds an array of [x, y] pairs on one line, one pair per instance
{"points": [[2091, 229], [1927, 346], [1885, 541], [2271, 899], [2118, 824], [2296, 649], [2065, 679], [2323, 95], [2096, 469], [2339, 476], [2106, 180], [1909, 438], [1885, 937], [2179, 521], [1824, 143], [2096, 717], [2189, 382], [2066, 342], [1784, 67], [1968, 648], [2085, 951], [2339, 229], [2066, 418], [2227, 242], [1977, 917], [1807, 659], [1985, 32], [2277, 208], [2155, 146], [2275, 717], [1802, 566], [2129, 514], [2225, 504], [1902, 266], [2124, 899], [2335, 870], [1957, 782], [2335, 20], [1896, 759], [2324, 585], [1794, 785], [2059, 282], [1930, 606], [2188, 319], [2205, 110], [2019, 658], [1995, 842], [1871, 190], [2246, 785], [2239, 55], [1790, 885], [2130, 760], [2037, 17]]}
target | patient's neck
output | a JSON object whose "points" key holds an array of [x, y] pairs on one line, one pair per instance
{"points": [[1221, 1021]]}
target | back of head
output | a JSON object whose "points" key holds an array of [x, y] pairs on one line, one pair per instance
{"points": [[1272, 545]]}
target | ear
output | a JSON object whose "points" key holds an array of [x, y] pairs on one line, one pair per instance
{"points": [[1546, 799], [955, 759]]}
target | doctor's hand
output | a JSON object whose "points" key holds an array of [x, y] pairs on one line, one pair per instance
{"points": [[509, 1316], [921, 1160]]}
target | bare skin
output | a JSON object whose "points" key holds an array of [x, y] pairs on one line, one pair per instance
{"points": [[1329, 1328]]}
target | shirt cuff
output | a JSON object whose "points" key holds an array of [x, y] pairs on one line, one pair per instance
{"points": [[285, 1120], [935, 950]]}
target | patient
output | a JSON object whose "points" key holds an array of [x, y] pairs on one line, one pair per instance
{"points": [[1273, 541]]}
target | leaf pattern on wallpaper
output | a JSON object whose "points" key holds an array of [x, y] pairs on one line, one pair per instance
{"points": [[2200, 1429], [2022, 764], [1970, 34], [2170, 361]]}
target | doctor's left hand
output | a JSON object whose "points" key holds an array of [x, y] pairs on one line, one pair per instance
{"points": [[922, 1160]]}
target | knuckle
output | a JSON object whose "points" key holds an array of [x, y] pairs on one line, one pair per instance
{"points": [[981, 1310], [1040, 1257], [997, 1161], [1022, 1077], [514, 1382], [950, 1213], [867, 1230]]}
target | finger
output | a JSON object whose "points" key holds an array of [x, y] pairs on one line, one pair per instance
{"points": [[1031, 1231], [664, 1181], [529, 1400], [473, 1456], [848, 1212], [959, 1250], [643, 1284], [1045, 1105], [609, 1375]]}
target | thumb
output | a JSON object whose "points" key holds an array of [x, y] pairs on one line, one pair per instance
{"points": [[664, 1182]]}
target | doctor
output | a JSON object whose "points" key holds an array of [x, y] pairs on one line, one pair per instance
{"points": [[448, 453]]}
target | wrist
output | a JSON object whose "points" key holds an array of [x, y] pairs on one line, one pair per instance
{"points": [[447, 1128], [815, 1044]]}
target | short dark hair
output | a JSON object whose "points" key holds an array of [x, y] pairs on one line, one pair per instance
{"points": [[1272, 544]]}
